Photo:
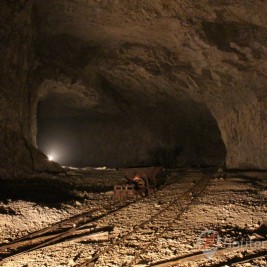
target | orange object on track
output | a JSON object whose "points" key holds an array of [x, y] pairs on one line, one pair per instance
{"points": [[141, 182]]}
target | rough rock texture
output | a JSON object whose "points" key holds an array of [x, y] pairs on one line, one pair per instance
{"points": [[134, 58], [16, 62], [213, 51]]}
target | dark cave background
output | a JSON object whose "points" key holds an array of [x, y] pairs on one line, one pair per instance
{"points": [[172, 134]]}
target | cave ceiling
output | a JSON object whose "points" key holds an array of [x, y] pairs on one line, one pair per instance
{"points": [[149, 52]]}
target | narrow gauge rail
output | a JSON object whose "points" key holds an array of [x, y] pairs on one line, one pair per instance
{"points": [[65, 229], [199, 256], [188, 197]]}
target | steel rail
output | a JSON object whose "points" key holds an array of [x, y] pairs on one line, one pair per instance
{"points": [[118, 242], [199, 256], [71, 225]]}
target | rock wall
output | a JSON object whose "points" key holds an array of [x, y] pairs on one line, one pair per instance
{"points": [[16, 63], [149, 52], [214, 51]]}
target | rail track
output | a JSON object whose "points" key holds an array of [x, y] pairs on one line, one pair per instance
{"points": [[65, 230], [133, 245], [199, 256], [151, 229], [59, 231]]}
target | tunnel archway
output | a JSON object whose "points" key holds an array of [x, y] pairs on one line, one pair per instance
{"points": [[129, 132]]}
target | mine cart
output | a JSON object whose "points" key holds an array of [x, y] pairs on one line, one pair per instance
{"points": [[141, 181]]}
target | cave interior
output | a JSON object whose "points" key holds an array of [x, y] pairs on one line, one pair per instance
{"points": [[141, 116]]}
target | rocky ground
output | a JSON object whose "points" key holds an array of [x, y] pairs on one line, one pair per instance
{"points": [[233, 206]]}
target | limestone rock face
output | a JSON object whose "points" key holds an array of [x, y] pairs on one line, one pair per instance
{"points": [[16, 62], [213, 51], [151, 67]]}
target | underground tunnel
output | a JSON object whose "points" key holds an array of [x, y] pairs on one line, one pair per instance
{"points": [[173, 133], [133, 133]]}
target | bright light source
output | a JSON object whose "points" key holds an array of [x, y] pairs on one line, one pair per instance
{"points": [[50, 157]]}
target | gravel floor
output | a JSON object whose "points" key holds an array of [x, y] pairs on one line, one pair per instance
{"points": [[234, 207]]}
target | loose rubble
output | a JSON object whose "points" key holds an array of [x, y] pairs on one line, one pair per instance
{"points": [[233, 206]]}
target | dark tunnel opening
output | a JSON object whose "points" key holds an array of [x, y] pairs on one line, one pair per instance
{"points": [[172, 134]]}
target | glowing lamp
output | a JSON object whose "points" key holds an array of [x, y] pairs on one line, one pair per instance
{"points": [[50, 157]]}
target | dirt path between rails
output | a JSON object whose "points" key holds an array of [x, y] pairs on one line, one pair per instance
{"points": [[234, 206]]}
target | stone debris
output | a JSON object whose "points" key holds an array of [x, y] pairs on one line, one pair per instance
{"points": [[233, 207]]}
